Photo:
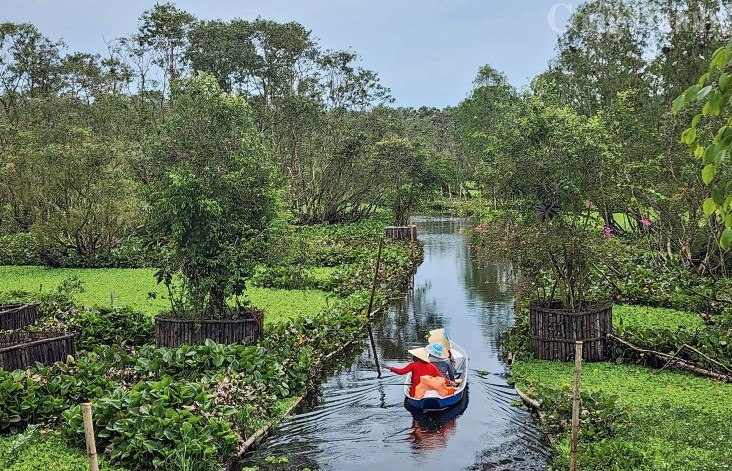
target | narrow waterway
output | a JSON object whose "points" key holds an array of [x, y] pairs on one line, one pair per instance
{"points": [[359, 421]]}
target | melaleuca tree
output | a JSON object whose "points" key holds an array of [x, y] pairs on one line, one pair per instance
{"points": [[213, 199]]}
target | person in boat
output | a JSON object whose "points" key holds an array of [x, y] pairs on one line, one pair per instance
{"points": [[420, 366], [440, 358], [440, 336]]}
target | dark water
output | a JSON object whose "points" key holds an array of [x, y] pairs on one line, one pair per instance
{"points": [[359, 422]]}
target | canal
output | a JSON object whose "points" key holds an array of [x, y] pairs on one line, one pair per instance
{"points": [[358, 421]]}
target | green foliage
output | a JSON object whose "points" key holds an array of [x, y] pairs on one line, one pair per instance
{"points": [[118, 326], [42, 449], [633, 318], [135, 288], [213, 198], [404, 167], [601, 417], [677, 419], [19, 249], [154, 419], [715, 91]]}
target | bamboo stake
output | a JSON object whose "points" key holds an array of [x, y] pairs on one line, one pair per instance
{"points": [[111, 298], [91, 447], [575, 405], [371, 303]]}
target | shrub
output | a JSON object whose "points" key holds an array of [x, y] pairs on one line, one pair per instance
{"points": [[19, 249]]}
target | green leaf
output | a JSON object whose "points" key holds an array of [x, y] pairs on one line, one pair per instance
{"points": [[719, 59], [726, 240], [708, 174], [718, 195], [710, 154], [695, 120], [715, 102], [691, 93], [689, 136], [720, 157], [724, 81], [709, 207], [703, 79], [678, 104], [703, 92]]}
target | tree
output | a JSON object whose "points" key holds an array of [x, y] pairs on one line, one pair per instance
{"points": [[214, 198], [407, 178], [714, 89], [483, 122]]}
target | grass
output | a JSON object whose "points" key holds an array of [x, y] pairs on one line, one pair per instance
{"points": [[44, 451], [630, 317], [137, 288], [679, 421]]}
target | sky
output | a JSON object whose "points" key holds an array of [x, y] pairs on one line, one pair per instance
{"points": [[426, 51]]}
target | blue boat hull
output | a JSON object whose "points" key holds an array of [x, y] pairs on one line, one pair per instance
{"points": [[436, 403]]}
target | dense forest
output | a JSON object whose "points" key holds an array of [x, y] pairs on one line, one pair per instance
{"points": [[81, 133]]}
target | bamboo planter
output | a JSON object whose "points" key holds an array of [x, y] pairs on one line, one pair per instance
{"points": [[17, 316], [173, 333], [401, 233], [555, 330], [21, 350]]}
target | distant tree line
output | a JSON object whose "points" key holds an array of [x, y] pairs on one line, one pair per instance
{"points": [[81, 133]]}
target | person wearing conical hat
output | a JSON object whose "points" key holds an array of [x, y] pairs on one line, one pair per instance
{"points": [[420, 366], [440, 336], [439, 357]]}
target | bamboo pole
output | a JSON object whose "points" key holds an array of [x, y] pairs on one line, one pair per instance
{"points": [[91, 447], [111, 298], [376, 276], [575, 405], [371, 303]]}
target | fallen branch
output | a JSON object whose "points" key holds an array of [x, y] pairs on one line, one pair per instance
{"points": [[705, 356], [678, 363]]}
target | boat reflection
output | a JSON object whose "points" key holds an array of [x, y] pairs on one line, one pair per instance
{"points": [[432, 430]]}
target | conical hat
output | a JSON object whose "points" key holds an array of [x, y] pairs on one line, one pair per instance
{"points": [[439, 336], [420, 353]]}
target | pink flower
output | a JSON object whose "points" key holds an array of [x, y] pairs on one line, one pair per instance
{"points": [[608, 232], [646, 223]]}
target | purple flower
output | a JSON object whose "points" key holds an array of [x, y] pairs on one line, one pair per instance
{"points": [[646, 223], [608, 232]]}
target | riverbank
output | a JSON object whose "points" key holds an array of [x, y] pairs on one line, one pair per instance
{"points": [[223, 394], [634, 417]]}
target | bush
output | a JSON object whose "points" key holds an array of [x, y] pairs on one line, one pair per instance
{"points": [[155, 419], [601, 416], [19, 249]]}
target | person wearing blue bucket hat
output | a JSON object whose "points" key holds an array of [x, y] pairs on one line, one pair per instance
{"points": [[440, 358]]}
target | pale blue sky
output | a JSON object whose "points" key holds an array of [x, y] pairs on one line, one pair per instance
{"points": [[426, 51]]}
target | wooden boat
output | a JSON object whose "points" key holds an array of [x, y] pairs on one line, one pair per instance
{"points": [[432, 401]]}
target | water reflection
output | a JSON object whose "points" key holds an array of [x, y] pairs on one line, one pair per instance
{"points": [[432, 430], [358, 420]]}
